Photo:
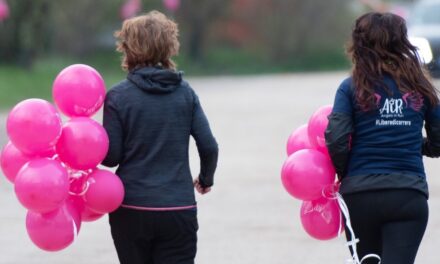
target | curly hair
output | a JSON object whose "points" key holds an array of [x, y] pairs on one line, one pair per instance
{"points": [[379, 45], [148, 40]]}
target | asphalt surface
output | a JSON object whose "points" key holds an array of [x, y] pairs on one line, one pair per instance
{"points": [[248, 218]]}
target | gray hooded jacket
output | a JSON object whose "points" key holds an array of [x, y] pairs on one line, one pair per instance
{"points": [[149, 118]]}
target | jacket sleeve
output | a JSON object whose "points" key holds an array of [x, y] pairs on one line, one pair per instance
{"points": [[339, 130], [113, 126], [337, 138], [431, 144], [206, 145]]}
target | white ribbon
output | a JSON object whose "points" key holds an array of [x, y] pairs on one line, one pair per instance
{"points": [[75, 231]]}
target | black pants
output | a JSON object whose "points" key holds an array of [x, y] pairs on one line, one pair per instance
{"points": [[149, 237], [389, 223]]}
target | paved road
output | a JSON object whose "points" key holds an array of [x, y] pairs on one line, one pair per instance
{"points": [[248, 218]]}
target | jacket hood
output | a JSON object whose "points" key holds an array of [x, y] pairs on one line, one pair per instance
{"points": [[155, 79]]}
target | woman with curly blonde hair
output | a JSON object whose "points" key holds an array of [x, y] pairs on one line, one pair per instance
{"points": [[150, 117]]}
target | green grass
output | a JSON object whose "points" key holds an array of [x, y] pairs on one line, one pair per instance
{"points": [[319, 61], [221, 61], [17, 84]]}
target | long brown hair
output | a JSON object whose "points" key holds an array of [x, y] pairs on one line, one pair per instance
{"points": [[379, 45], [148, 40]]}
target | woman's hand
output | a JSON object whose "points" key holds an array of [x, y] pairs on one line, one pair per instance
{"points": [[199, 187]]}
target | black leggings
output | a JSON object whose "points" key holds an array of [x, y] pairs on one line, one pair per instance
{"points": [[389, 223], [148, 237]]}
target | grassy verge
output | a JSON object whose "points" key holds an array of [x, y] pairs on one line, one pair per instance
{"points": [[17, 84], [221, 61]]}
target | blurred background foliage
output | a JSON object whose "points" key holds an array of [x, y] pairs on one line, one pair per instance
{"points": [[41, 37]]}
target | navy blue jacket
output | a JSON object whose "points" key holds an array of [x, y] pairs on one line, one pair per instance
{"points": [[386, 142], [149, 118]]}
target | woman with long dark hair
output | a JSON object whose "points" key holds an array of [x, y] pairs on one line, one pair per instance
{"points": [[375, 140]]}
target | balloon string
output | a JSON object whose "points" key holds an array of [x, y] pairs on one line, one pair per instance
{"points": [[341, 223], [85, 189], [352, 243], [75, 231], [331, 195]]}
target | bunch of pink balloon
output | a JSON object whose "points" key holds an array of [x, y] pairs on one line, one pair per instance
{"points": [[54, 166], [308, 175]]}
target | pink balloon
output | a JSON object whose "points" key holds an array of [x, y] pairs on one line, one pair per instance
{"points": [[4, 10], [12, 160], [321, 218], [78, 185], [130, 8], [48, 153], [87, 215], [83, 143], [42, 185], [34, 126], [316, 128], [172, 5], [298, 140], [74, 210], [52, 231], [105, 192], [305, 173], [79, 90]]}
